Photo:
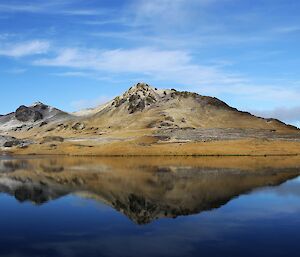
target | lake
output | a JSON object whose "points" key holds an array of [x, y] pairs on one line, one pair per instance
{"points": [[149, 206]]}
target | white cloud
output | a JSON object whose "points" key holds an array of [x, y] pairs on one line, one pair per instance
{"points": [[25, 48], [157, 64], [105, 22]]}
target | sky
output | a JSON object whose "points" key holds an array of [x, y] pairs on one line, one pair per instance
{"points": [[75, 54]]}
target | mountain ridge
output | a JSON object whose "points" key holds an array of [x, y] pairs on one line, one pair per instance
{"points": [[140, 97], [143, 117]]}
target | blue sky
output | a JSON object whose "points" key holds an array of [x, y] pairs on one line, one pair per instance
{"points": [[74, 54]]}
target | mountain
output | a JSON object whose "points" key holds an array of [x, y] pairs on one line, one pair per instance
{"points": [[26, 118], [142, 118], [145, 107]]}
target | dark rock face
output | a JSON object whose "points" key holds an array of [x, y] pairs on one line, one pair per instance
{"points": [[25, 114], [136, 105], [26, 118]]}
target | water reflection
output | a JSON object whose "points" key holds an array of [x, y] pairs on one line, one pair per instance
{"points": [[144, 189]]}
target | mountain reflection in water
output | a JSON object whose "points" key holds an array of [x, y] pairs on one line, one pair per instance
{"points": [[110, 207], [143, 189]]}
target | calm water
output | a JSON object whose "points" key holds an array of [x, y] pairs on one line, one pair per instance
{"points": [[149, 207]]}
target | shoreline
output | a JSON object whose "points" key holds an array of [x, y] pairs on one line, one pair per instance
{"points": [[149, 155], [228, 148]]}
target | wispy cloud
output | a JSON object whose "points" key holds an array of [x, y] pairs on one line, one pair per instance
{"points": [[254, 91], [21, 8], [49, 7], [172, 23], [155, 63], [171, 11], [282, 113], [286, 29], [25, 48], [87, 75], [73, 74], [82, 12], [106, 22], [16, 71]]}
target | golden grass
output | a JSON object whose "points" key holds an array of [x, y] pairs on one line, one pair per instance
{"points": [[147, 145]]}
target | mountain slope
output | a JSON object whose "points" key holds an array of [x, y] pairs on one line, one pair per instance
{"points": [[145, 107]]}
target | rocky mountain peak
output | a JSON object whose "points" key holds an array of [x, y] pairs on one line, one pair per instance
{"points": [[38, 104], [141, 89], [141, 86], [27, 117], [137, 97]]}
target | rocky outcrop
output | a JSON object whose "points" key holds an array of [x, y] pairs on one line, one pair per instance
{"points": [[78, 126], [4, 139], [25, 114], [137, 98], [8, 142], [16, 143]]}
